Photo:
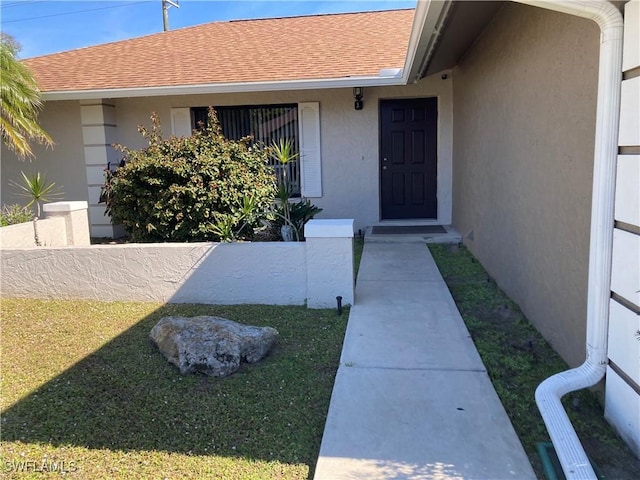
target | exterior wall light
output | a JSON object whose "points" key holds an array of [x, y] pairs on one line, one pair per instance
{"points": [[358, 93]]}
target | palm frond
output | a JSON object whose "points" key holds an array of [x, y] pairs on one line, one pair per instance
{"points": [[20, 103]]}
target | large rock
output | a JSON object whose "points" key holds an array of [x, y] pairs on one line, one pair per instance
{"points": [[211, 345]]}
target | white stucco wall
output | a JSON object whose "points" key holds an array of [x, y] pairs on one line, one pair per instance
{"points": [[52, 232], [64, 223], [177, 273], [330, 269], [281, 273]]}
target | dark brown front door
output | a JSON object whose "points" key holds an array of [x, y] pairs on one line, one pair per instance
{"points": [[408, 158]]}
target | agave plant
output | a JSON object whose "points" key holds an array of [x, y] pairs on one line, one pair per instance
{"points": [[37, 190]]}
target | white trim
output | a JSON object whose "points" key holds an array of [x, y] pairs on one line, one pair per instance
{"points": [[310, 149], [429, 17], [211, 88], [181, 122]]}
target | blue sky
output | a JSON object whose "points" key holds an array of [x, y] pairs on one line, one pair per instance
{"points": [[48, 26]]}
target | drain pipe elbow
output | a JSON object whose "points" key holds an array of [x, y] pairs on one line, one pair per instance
{"points": [[573, 459]]}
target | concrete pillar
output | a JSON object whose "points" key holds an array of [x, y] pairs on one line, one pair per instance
{"points": [[76, 220], [329, 253], [99, 133]]}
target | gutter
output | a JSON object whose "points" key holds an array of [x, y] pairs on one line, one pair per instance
{"points": [[387, 77], [429, 17], [574, 461]]}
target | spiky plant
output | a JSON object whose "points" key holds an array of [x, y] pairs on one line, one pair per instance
{"points": [[283, 152], [36, 188]]}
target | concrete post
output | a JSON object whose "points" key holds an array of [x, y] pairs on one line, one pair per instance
{"points": [[329, 248], [76, 219]]}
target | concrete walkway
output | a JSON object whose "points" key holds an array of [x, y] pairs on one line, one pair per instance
{"points": [[412, 399]]}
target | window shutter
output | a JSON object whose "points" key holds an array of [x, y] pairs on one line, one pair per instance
{"points": [[181, 122], [310, 157]]}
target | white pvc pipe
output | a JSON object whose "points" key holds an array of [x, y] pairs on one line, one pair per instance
{"points": [[572, 456]]}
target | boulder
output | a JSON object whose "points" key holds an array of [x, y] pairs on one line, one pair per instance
{"points": [[211, 345]]}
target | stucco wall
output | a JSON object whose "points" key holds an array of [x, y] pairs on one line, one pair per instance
{"points": [[314, 272], [52, 232], [176, 273], [278, 273], [350, 175], [64, 224], [349, 142], [62, 164], [524, 121]]}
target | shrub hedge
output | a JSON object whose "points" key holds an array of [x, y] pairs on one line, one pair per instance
{"points": [[190, 188]]}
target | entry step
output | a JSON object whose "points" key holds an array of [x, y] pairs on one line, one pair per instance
{"points": [[411, 234]]}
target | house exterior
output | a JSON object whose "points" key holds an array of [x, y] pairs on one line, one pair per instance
{"points": [[504, 98]]}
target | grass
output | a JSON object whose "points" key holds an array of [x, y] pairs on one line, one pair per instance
{"points": [[82, 384], [518, 358]]}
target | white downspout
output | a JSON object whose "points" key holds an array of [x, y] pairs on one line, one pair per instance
{"points": [[567, 445]]}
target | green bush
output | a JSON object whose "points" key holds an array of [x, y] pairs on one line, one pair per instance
{"points": [[14, 214], [190, 188]]}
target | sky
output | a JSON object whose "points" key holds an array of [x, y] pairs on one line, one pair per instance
{"points": [[42, 27]]}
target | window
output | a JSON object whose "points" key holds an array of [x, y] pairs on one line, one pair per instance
{"points": [[265, 123]]}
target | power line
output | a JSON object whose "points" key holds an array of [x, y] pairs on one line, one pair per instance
{"points": [[20, 4], [76, 11]]}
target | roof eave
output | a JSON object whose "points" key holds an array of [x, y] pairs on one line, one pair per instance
{"points": [[238, 87], [428, 21]]}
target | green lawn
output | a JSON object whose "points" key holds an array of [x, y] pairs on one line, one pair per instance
{"points": [[518, 358], [82, 386]]}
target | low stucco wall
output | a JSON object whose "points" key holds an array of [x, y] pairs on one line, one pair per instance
{"points": [[525, 103], [278, 273], [65, 223], [52, 232], [179, 273]]}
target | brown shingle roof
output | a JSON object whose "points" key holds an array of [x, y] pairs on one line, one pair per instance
{"points": [[295, 48]]}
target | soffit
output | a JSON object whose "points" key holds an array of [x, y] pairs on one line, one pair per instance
{"points": [[464, 24]]}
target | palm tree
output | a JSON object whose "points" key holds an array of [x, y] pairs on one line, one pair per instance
{"points": [[20, 102]]}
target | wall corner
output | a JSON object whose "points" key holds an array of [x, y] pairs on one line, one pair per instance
{"points": [[330, 272], [76, 219]]}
